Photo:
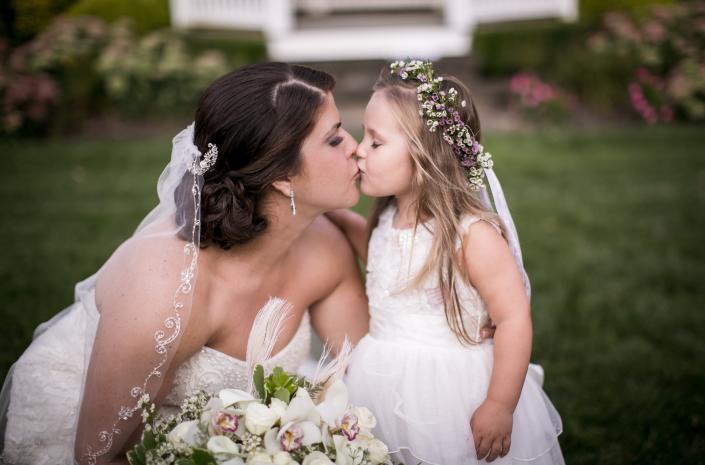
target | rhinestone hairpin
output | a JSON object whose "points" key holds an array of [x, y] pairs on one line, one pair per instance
{"points": [[206, 162]]}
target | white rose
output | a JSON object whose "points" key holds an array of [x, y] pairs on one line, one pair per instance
{"points": [[365, 418], [222, 445], [259, 458], [283, 458], [184, 432], [278, 406], [317, 458], [379, 453], [259, 418]]}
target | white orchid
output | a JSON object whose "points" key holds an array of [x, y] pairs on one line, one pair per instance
{"points": [[230, 397], [334, 404], [301, 408], [185, 432], [346, 452]]}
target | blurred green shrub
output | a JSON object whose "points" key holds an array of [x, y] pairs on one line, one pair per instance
{"points": [[81, 66], [155, 73], [147, 15], [31, 16]]}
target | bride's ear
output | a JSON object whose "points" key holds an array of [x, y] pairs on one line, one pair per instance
{"points": [[283, 186]]}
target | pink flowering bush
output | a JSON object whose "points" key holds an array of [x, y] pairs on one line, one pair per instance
{"points": [[666, 48], [80, 66], [536, 98], [27, 100]]}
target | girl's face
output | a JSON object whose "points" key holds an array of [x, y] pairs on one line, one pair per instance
{"points": [[329, 173], [386, 167]]}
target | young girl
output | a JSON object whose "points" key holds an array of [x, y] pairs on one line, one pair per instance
{"points": [[438, 269]]}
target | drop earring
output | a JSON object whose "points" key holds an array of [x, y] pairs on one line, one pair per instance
{"points": [[293, 204]]}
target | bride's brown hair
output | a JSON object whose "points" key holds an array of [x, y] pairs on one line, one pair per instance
{"points": [[258, 116]]}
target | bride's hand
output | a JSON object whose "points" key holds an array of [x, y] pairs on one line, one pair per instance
{"points": [[487, 332]]}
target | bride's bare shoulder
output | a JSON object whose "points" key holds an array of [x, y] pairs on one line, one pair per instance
{"points": [[146, 264], [325, 236]]}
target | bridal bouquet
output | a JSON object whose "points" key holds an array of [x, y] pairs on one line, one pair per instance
{"points": [[291, 421]]}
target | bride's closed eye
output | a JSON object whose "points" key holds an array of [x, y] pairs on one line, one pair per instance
{"points": [[335, 141]]}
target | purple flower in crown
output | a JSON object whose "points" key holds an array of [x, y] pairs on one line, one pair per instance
{"points": [[475, 147], [434, 97], [467, 162]]}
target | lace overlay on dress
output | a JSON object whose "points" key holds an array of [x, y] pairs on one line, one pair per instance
{"points": [[395, 258], [211, 370]]}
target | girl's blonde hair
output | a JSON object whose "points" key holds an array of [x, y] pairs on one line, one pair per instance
{"points": [[439, 187]]}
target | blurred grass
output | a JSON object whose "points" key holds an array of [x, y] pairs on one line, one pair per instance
{"points": [[612, 226]]}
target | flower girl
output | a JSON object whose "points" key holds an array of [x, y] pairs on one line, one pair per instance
{"points": [[442, 261]]}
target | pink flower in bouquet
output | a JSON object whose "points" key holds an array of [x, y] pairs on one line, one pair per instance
{"points": [[225, 422], [292, 438], [350, 426]]}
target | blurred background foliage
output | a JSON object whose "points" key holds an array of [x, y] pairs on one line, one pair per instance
{"points": [[61, 61]]}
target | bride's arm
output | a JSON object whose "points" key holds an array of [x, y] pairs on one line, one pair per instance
{"points": [[135, 297], [354, 226], [343, 311]]}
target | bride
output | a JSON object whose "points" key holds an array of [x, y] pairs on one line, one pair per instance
{"points": [[170, 312]]}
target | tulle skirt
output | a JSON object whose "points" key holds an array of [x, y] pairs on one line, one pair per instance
{"points": [[423, 397]]}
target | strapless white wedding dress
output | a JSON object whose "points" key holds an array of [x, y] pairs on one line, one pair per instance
{"points": [[48, 377], [419, 381]]}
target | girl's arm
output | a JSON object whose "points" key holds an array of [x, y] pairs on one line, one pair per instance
{"points": [[494, 273], [354, 226]]}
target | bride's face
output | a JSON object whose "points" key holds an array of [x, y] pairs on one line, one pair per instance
{"points": [[329, 173]]}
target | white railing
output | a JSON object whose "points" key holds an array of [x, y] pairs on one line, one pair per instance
{"points": [[330, 6], [276, 19]]}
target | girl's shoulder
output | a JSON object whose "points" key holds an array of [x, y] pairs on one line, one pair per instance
{"points": [[467, 220]]}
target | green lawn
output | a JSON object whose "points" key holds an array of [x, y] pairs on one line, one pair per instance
{"points": [[613, 231]]}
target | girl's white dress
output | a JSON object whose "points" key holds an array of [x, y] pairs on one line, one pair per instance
{"points": [[419, 381]]}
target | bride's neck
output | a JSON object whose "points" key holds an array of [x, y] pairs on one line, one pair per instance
{"points": [[267, 250]]}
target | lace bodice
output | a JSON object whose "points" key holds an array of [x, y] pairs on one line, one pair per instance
{"points": [[397, 311], [212, 370]]}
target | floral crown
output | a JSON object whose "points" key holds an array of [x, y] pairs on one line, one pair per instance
{"points": [[439, 108]]}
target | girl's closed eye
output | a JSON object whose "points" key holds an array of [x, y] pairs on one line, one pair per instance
{"points": [[375, 144]]}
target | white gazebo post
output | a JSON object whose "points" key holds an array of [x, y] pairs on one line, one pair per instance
{"points": [[458, 15], [279, 18]]}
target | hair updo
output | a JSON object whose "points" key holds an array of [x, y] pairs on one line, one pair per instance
{"points": [[258, 116]]}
